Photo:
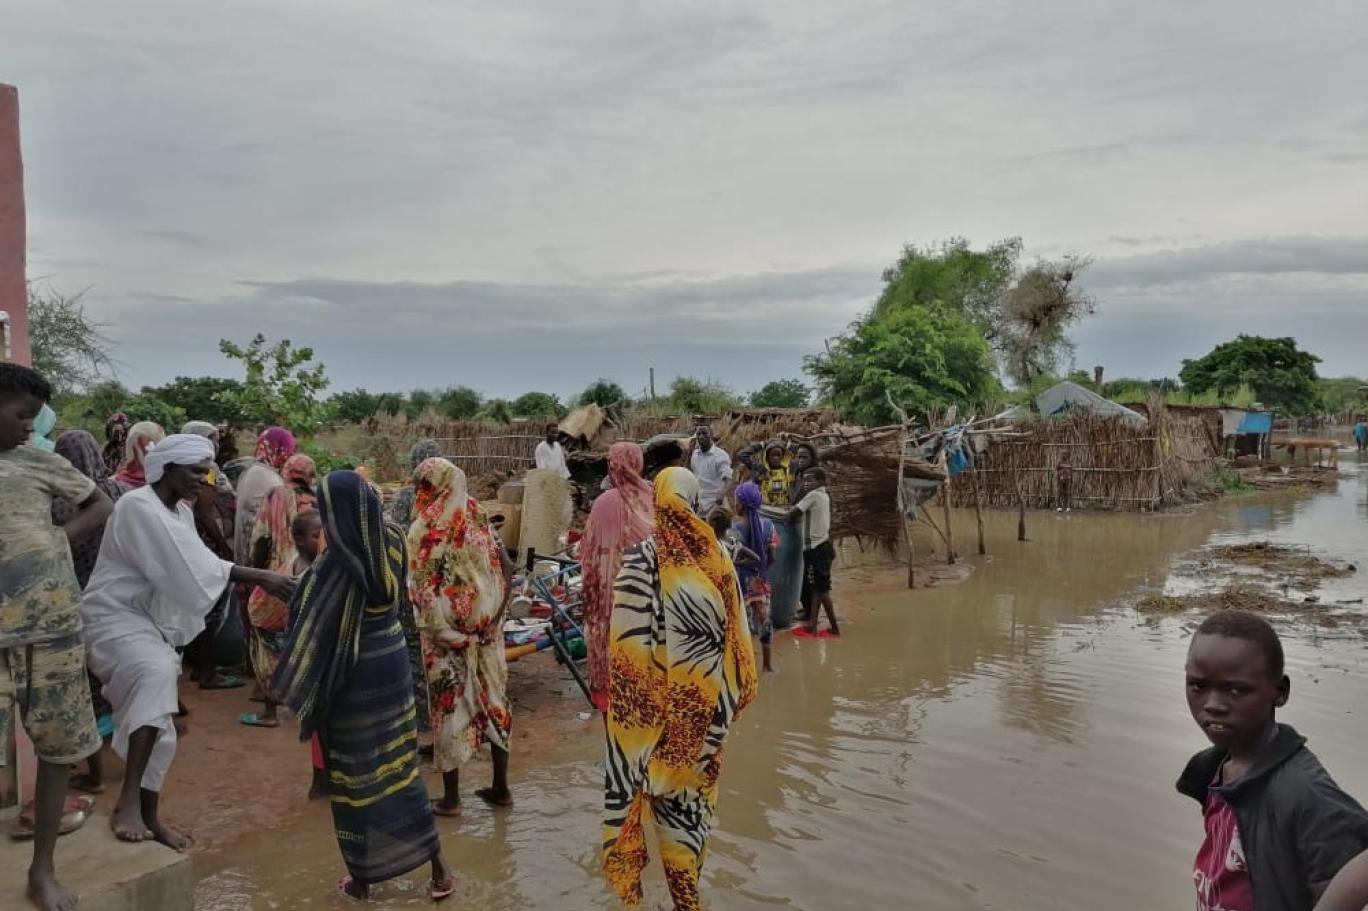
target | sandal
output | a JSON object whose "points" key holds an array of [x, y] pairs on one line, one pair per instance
{"points": [[253, 720], [223, 683], [342, 886], [444, 890], [75, 812]]}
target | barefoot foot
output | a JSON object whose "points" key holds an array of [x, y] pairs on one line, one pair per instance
{"points": [[128, 824], [48, 894], [495, 798], [170, 837]]}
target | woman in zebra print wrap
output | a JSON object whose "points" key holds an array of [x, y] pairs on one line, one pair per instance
{"points": [[681, 670]]}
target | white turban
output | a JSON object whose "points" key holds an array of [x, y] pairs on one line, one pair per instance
{"points": [[200, 428], [177, 449]]}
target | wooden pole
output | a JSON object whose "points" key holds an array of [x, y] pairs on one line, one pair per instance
{"points": [[653, 384], [945, 508], [978, 512], [1021, 512], [902, 500]]}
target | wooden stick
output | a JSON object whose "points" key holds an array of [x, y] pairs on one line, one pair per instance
{"points": [[945, 507], [978, 513], [1021, 513], [902, 501]]}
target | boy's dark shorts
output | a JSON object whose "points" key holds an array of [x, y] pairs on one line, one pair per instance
{"points": [[47, 683], [817, 569]]}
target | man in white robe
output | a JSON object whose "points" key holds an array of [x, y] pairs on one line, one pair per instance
{"points": [[152, 587]]}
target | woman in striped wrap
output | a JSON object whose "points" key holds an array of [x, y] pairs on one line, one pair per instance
{"points": [[682, 669], [345, 673]]}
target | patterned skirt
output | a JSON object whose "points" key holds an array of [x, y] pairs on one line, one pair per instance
{"points": [[381, 811]]}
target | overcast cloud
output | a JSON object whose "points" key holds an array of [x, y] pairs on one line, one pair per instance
{"points": [[531, 195]]}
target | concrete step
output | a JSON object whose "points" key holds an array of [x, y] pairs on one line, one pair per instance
{"points": [[108, 874]]}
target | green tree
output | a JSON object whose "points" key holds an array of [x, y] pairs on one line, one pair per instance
{"points": [[69, 348], [106, 398], [602, 393], [352, 406], [781, 394], [1345, 394], [1281, 374], [459, 403], [495, 411], [204, 398], [541, 406], [418, 401], [924, 356], [1023, 314], [390, 403], [148, 407], [702, 397], [282, 384]]}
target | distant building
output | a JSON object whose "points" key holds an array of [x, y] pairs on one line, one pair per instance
{"points": [[14, 337]]}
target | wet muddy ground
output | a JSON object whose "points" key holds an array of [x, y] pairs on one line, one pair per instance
{"points": [[1006, 742]]}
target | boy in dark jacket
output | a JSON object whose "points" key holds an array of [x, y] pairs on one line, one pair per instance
{"points": [[1278, 828]]}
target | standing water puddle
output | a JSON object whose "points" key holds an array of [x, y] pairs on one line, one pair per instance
{"points": [[1010, 742]]}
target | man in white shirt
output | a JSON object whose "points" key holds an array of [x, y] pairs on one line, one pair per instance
{"points": [[551, 455], [818, 553], [712, 466]]}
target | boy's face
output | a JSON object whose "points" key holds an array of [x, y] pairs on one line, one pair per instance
{"points": [[309, 540], [1230, 690], [16, 419]]}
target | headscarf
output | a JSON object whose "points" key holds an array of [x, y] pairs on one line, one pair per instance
{"points": [[455, 580], [622, 517], [177, 449], [139, 437], [273, 523], [401, 509], [43, 425], [683, 669], [200, 429], [274, 446], [116, 431], [82, 450], [749, 498], [364, 565], [299, 471]]}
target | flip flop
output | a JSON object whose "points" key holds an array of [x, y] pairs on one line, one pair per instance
{"points": [[342, 885], [253, 720], [449, 812], [224, 683], [802, 632], [75, 812], [486, 795], [828, 634], [440, 891]]}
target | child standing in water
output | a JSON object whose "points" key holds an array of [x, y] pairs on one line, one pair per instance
{"points": [[1278, 828], [1064, 483]]}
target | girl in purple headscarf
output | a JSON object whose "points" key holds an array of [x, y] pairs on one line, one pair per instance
{"points": [[759, 541]]}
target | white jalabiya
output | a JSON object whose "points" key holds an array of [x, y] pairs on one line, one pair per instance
{"points": [[152, 587]]}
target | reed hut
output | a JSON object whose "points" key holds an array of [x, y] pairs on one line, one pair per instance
{"points": [[1117, 465]]}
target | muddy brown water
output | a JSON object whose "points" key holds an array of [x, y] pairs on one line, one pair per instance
{"points": [[1010, 742]]}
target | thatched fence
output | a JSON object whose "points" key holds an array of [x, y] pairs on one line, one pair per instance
{"points": [[1169, 460]]}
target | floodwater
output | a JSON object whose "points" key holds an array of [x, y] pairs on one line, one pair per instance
{"points": [[1010, 742]]}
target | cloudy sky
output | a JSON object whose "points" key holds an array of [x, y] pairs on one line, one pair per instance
{"points": [[533, 194]]}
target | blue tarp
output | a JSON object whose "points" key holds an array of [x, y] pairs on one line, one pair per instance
{"points": [[1256, 422]]}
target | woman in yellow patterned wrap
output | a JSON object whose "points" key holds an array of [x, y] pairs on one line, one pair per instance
{"points": [[682, 669]]}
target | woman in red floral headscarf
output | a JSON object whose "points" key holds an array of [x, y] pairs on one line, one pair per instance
{"points": [[458, 582]]}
